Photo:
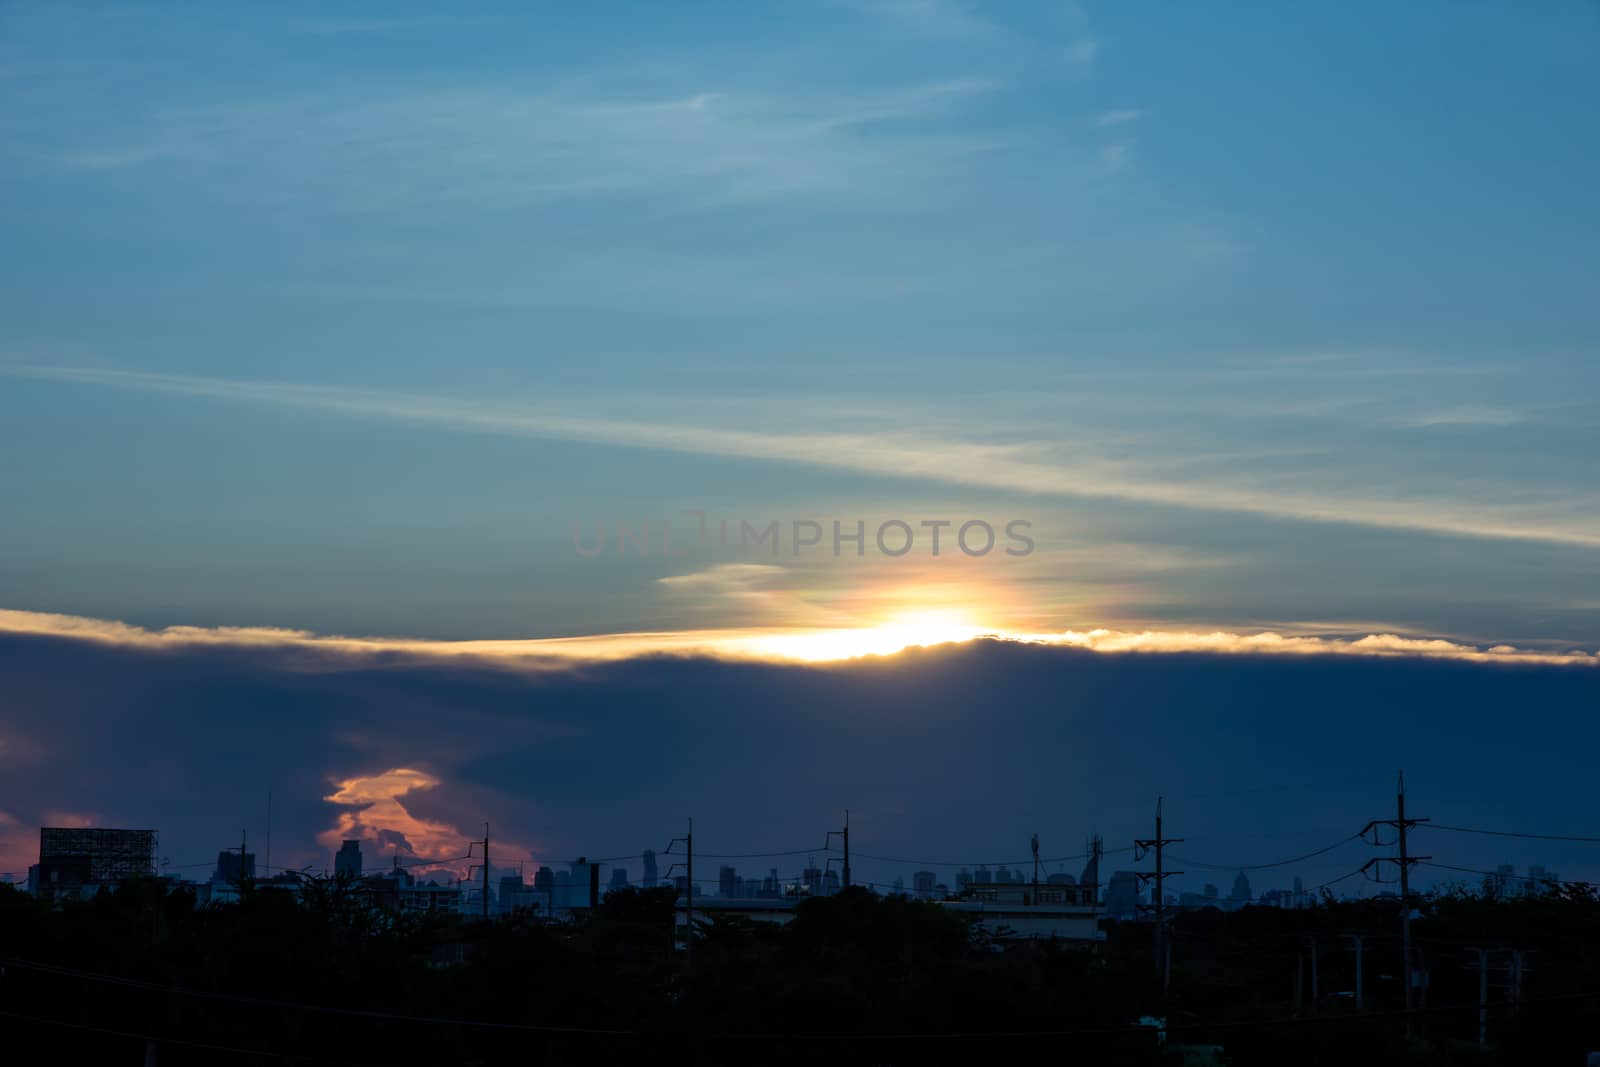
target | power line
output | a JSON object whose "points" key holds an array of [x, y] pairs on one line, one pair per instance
{"points": [[1265, 866], [1512, 833], [987, 863], [1496, 874]]}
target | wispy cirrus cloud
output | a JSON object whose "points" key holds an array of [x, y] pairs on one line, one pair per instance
{"points": [[1474, 415], [370, 148], [1054, 468], [1121, 117]]}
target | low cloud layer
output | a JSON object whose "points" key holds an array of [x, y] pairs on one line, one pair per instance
{"points": [[773, 644], [1259, 755]]}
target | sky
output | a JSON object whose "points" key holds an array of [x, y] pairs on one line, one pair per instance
{"points": [[1264, 334]]}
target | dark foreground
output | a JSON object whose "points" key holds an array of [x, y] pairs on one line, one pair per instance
{"points": [[141, 976]]}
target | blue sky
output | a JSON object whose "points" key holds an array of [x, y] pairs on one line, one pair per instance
{"points": [[1265, 319]]}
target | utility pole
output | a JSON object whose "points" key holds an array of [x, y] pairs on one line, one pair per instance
{"points": [[827, 843], [1316, 994], [688, 865], [485, 872], [1482, 964], [1159, 876], [1516, 978], [1404, 861], [1361, 998]]}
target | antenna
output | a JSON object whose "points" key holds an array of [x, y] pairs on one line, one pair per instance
{"points": [[266, 859]]}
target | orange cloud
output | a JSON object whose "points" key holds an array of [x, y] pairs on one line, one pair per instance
{"points": [[375, 813]]}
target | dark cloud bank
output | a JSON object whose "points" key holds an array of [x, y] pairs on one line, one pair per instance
{"points": [[957, 753]]}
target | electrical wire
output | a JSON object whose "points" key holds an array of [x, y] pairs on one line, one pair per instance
{"points": [[1264, 866], [1496, 874], [986, 863], [1505, 833]]}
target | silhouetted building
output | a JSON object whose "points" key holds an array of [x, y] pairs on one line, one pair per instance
{"points": [[347, 861], [544, 890], [1091, 870], [233, 868], [619, 878], [74, 860], [923, 882], [1122, 895], [584, 885], [651, 875], [1241, 889], [513, 894], [727, 882]]}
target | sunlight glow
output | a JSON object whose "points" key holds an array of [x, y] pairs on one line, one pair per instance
{"points": [[906, 630]]}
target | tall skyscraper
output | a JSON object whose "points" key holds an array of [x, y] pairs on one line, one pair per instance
{"points": [[726, 879], [651, 877], [347, 861], [619, 878], [1241, 889], [923, 882]]}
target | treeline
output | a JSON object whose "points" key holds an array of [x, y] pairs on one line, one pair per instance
{"points": [[854, 978]]}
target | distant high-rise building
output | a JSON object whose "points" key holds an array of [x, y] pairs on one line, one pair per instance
{"points": [[811, 877], [983, 876], [229, 868], [585, 883], [619, 878], [347, 861], [1211, 892], [651, 877], [830, 881], [1091, 870], [513, 893], [1241, 889], [544, 890], [1122, 895], [923, 882], [726, 878]]}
